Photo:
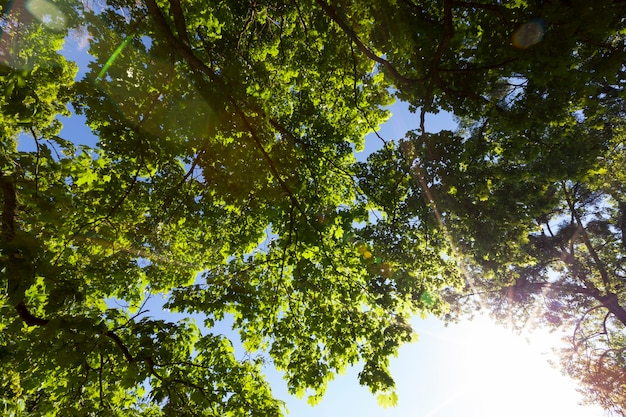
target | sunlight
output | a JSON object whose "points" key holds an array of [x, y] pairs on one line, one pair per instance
{"points": [[501, 372]]}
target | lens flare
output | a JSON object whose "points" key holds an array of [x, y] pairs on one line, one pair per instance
{"points": [[529, 34], [112, 58], [47, 13]]}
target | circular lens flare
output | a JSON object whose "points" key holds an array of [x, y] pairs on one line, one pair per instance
{"points": [[529, 34]]}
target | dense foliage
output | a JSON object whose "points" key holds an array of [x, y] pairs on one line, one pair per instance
{"points": [[224, 180]]}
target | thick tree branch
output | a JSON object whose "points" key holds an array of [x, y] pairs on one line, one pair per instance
{"points": [[611, 303], [448, 32], [179, 21], [28, 317], [32, 320], [610, 300], [38, 158], [120, 344]]}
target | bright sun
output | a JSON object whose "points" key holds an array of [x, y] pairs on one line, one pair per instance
{"points": [[503, 374]]}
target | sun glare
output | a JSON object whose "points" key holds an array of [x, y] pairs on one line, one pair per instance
{"points": [[502, 373]]}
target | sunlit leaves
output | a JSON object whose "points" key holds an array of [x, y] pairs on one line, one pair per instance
{"points": [[223, 180], [199, 156]]}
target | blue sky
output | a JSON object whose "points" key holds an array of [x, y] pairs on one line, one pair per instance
{"points": [[470, 370]]}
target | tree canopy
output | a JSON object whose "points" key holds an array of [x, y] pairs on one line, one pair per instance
{"points": [[224, 179]]}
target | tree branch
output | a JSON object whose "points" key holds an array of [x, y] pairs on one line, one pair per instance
{"points": [[9, 208], [168, 199], [28, 317], [579, 322], [7, 234], [38, 158], [605, 354], [32, 320], [393, 72], [200, 68], [179, 21], [622, 209], [587, 241], [120, 344]]}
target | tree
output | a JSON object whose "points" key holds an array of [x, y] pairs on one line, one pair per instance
{"points": [[528, 193], [224, 180], [210, 138], [572, 278], [536, 211]]}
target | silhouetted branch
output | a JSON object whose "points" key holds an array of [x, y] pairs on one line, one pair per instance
{"points": [[622, 209], [201, 68], [587, 241], [28, 317], [179, 21], [393, 72]]}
